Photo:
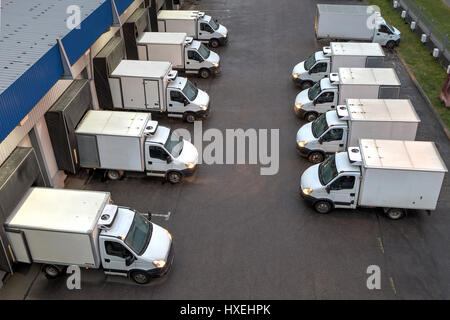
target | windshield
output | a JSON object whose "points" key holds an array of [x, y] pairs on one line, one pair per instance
{"points": [[327, 170], [204, 51], [213, 24], [314, 91], [139, 234], [390, 28], [310, 61], [319, 126], [190, 91], [174, 144]]}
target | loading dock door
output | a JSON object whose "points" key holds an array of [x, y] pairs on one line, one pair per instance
{"points": [[136, 24], [17, 174]]}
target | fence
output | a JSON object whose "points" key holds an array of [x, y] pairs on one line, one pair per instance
{"points": [[425, 24]]}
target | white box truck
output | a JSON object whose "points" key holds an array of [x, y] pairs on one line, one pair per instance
{"points": [[130, 141], [185, 53], [391, 174], [354, 22], [335, 131], [196, 24], [154, 87], [348, 83], [61, 227], [338, 54]]}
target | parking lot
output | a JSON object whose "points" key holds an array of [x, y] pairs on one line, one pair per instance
{"points": [[241, 235]]}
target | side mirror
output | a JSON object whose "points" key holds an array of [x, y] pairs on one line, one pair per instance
{"points": [[169, 159], [328, 188], [129, 260], [310, 71], [320, 140], [314, 102], [186, 102], [149, 216]]}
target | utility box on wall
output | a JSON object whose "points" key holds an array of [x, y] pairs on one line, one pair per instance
{"points": [[62, 119], [132, 29]]}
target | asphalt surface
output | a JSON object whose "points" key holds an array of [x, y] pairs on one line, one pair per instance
{"points": [[240, 235]]}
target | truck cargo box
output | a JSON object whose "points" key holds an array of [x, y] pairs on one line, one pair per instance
{"points": [[391, 119], [162, 46], [178, 21], [57, 226], [355, 55], [112, 140], [400, 174]]}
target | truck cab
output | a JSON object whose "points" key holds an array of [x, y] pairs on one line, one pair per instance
{"points": [[333, 183], [320, 98], [313, 69], [185, 100], [201, 60], [167, 154], [211, 31], [327, 134], [131, 245], [385, 34]]}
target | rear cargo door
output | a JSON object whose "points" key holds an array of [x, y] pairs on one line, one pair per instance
{"points": [[152, 98]]}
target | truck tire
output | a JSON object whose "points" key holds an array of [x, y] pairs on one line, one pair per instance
{"points": [[190, 117], [204, 73], [316, 157], [311, 116], [306, 84], [395, 213], [214, 43], [114, 174], [323, 206], [140, 277], [390, 45], [51, 271], [174, 177]]}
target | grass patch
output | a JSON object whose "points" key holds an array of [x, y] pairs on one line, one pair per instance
{"points": [[426, 69]]}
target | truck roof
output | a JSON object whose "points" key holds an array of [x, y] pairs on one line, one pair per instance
{"points": [[344, 9], [178, 14], [75, 211], [368, 76], [162, 38], [381, 110], [369, 49], [404, 155], [116, 123], [142, 69]]}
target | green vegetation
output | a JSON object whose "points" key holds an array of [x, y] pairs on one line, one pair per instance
{"points": [[426, 69], [438, 10]]}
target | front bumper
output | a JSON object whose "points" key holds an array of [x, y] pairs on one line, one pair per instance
{"points": [[297, 80], [215, 70], [307, 198], [224, 40], [160, 272], [189, 172], [300, 112], [203, 113], [397, 43], [304, 152]]}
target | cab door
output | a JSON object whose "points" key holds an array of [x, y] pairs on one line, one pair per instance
{"points": [[115, 256], [343, 191], [194, 61], [156, 159], [333, 140], [319, 71], [383, 35], [326, 101], [204, 31], [177, 101]]}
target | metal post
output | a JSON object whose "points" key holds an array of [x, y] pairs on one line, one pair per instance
{"points": [[444, 45], [431, 28]]}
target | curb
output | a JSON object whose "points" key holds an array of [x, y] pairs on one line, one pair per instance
{"points": [[424, 95]]}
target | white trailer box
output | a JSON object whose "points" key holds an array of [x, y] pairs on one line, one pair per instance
{"points": [[163, 46], [112, 140], [176, 21], [381, 118], [400, 174], [381, 83], [57, 226], [355, 54]]}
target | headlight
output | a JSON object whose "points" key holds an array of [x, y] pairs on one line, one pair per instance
{"points": [[298, 106], [169, 234], [215, 64], [307, 191], [204, 108], [301, 144], [190, 165], [295, 75], [159, 263], [224, 35]]}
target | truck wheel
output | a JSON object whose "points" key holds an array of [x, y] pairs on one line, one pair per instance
{"points": [[306, 84], [114, 174], [204, 73], [311, 116], [214, 43], [189, 117], [174, 177], [51, 271], [390, 45], [140, 277], [395, 213], [316, 157], [323, 206]]}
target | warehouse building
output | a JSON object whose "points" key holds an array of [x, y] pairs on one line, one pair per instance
{"points": [[54, 62]]}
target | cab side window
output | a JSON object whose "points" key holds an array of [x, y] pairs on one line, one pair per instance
{"points": [[384, 29], [158, 153], [193, 55], [206, 27], [320, 67], [333, 135], [345, 182], [116, 249], [326, 97], [176, 96]]}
